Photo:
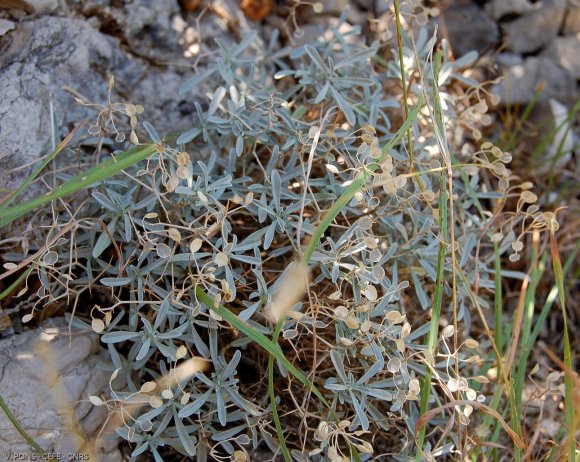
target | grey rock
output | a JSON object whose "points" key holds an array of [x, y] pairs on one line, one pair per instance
{"points": [[564, 138], [508, 59], [39, 57], [470, 28], [572, 21], [521, 80], [151, 22], [42, 373], [535, 30], [36, 6], [565, 52], [44, 6], [500, 8], [6, 26], [145, 26], [381, 7], [367, 5], [145, 13], [549, 122]]}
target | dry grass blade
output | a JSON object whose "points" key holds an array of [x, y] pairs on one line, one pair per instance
{"points": [[289, 295], [98, 173], [59, 396], [199, 252], [7, 200], [573, 377], [517, 323], [461, 402], [569, 394], [292, 288]]}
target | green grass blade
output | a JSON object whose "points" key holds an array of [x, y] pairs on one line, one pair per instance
{"points": [[525, 347], [538, 324], [327, 220], [440, 277], [568, 385], [357, 183], [552, 295], [6, 292], [259, 338], [436, 311], [30, 178], [498, 300], [14, 421], [272, 393], [511, 142], [527, 341], [96, 174]]}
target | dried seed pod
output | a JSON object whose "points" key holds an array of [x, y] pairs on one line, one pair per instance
{"points": [[98, 325], [221, 259], [174, 234]]}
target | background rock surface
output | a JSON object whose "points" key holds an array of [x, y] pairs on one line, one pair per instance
{"points": [[33, 397], [42, 54]]}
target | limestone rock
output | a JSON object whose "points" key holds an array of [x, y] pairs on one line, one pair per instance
{"points": [[381, 7], [41, 56], [500, 8], [44, 374], [44, 6], [146, 27], [564, 138], [565, 52], [522, 79], [550, 130], [534, 31], [470, 28], [149, 23], [6, 26], [508, 59]]}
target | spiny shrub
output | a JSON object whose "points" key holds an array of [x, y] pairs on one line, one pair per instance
{"points": [[229, 205]]}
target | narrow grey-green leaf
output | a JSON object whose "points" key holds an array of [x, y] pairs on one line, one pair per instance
{"points": [[119, 336]]}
